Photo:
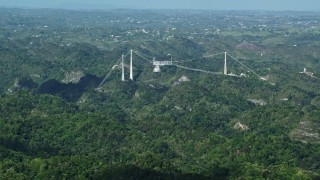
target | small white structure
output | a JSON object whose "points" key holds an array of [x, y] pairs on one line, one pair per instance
{"points": [[265, 78], [182, 79], [115, 66], [240, 126], [157, 69], [307, 73], [258, 102], [243, 75]]}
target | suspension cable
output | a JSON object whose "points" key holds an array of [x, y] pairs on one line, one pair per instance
{"points": [[246, 67], [109, 73], [211, 55], [142, 56], [194, 69]]}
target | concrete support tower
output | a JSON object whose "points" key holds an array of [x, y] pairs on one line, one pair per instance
{"points": [[122, 65], [131, 68], [225, 72]]}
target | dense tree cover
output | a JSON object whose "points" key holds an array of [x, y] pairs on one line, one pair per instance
{"points": [[184, 132], [55, 124]]}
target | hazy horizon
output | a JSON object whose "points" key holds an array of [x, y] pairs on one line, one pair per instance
{"points": [[270, 5]]}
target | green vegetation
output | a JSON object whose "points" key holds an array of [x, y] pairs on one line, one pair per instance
{"points": [[55, 124]]}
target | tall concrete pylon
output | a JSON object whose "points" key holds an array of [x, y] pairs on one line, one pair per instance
{"points": [[122, 65], [131, 68], [225, 72]]}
